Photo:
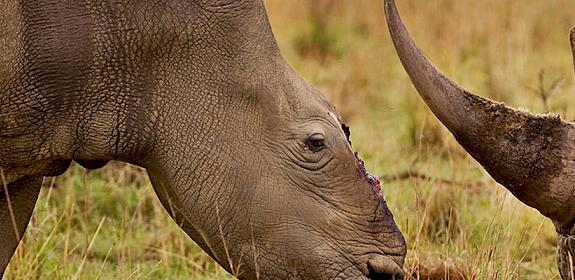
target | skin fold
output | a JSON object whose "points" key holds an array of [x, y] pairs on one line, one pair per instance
{"points": [[250, 160]]}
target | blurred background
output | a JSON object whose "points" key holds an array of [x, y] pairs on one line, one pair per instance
{"points": [[459, 224]]}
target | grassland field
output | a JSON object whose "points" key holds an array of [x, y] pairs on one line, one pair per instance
{"points": [[459, 223]]}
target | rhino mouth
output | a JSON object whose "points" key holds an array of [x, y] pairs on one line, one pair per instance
{"points": [[383, 267]]}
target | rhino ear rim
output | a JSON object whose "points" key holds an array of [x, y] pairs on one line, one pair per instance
{"points": [[530, 155]]}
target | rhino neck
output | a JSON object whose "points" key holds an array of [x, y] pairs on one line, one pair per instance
{"points": [[102, 79]]}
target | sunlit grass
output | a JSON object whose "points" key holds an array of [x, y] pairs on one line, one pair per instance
{"points": [[108, 224]]}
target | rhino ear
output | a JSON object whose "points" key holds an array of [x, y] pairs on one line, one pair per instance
{"points": [[532, 156]]}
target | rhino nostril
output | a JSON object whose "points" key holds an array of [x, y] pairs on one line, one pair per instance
{"points": [[384, 268]]}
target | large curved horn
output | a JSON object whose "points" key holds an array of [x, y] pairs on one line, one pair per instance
{"points": [[532, 156]]}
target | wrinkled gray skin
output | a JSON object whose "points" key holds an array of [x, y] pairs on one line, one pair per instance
{"points": [[532, 156], [249, 159]]}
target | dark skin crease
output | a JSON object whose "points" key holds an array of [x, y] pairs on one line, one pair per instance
{"points": [[250, 160]]}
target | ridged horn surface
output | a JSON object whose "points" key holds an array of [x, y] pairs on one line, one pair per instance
{"points": [[532, 156]]}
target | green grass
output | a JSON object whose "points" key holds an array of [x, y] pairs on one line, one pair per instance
{"points": [[108, 223]]}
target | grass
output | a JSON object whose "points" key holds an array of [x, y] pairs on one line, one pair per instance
{"points": [[459, 224], [106, 224]]}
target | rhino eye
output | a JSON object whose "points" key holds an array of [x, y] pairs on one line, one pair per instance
{"points": [[316, 142]]}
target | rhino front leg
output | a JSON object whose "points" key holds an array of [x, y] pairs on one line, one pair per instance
{"points": [[22, 194]]}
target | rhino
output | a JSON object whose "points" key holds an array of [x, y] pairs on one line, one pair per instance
{"points": [[250, 160], [533, 156]]}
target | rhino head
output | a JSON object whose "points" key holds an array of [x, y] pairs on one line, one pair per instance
{"points": [[533, 156], [249, 159], [260, 171]]}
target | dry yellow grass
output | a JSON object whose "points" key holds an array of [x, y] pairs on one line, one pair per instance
{"points": [[108, 223]]}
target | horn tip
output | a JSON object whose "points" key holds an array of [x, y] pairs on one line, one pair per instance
{"points": [[389, 5]]}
